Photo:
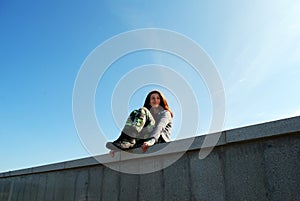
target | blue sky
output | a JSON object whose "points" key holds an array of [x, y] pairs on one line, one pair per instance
{"points": [[255, 46]]}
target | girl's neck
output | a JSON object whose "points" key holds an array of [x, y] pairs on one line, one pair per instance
{"points": [[155, 110]]}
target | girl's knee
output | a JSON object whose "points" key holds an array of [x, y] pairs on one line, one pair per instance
{"points": [[144, 110]]}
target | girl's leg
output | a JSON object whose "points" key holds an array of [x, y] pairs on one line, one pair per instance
{"points": [[139, 122], [145, 133], [138, 125], [148, 124]]}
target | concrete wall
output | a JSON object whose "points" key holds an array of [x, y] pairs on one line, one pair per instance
{"points": [[259, 162]]}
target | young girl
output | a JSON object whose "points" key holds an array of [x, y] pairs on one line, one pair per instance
{"points": [[146, 126]]}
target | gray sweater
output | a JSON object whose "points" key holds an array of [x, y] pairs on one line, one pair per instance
{"points": [[163, 126]]}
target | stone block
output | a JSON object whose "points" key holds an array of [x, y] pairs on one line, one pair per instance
{"points": [[206, 177], [70, 185], [50, 186], [129, 184], [95, 184], [176, 180], [81, 184], [111, 185], [244, 173], [42, 185], [282, 161], [268, 129], [151, 186], [59, 185]]}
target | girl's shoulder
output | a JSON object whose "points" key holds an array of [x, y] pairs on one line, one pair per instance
{"points": [[164, 113]]}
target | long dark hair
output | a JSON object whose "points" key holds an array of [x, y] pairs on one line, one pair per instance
{"points": [[163, 101]]}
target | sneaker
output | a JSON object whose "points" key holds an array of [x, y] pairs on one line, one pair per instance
{"points": [[127, 143]]}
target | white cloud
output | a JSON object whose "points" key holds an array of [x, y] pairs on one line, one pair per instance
{"points": [[277, 41], [262, 62]]}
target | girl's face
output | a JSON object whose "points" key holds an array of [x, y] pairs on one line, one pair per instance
{"points": [[155, 100]]}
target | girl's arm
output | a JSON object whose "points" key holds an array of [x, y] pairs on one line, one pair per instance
{"points": [[164, 119]]}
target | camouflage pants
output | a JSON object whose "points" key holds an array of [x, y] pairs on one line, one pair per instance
{"points": [[139, 124]]}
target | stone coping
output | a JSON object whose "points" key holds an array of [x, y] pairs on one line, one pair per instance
{"points": [[252, 132]]}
